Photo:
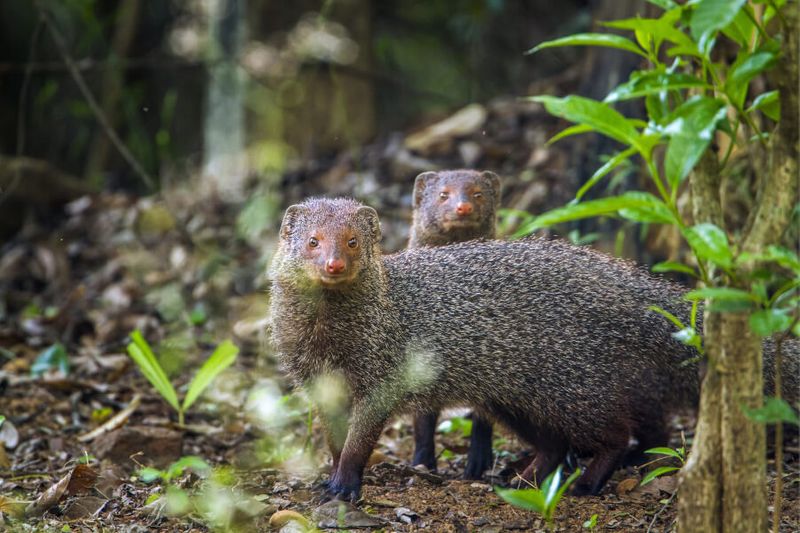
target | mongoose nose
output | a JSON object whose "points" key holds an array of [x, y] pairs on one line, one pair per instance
{"points": [[334, 266], [463, 209]]}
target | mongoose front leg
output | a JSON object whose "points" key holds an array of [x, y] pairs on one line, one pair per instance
{"points": [[334, 427], [479, 457], [424, 447], [365, 429]]}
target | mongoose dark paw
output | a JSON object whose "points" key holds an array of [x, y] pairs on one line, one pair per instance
{"points": [[425, 458], [585, 489], [476, 466], [343, 491]]}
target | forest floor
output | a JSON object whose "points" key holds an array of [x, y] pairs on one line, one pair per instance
{"points": [[69, 310], [82, 423]]}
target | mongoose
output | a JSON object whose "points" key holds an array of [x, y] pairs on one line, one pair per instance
{"points": [[553, 340], [454, 206]]}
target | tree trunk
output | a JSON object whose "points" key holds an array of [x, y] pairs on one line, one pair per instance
{"points": [[744, 441], [224, 157], [700, 493], [723, 485]]}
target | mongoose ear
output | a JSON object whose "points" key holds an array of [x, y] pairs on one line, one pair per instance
{"points": [[420, 184], [290, 219], [370, 216], [494, 182]]}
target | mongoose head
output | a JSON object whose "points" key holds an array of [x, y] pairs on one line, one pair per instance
{"points": [[329, 243], [456, 201]]}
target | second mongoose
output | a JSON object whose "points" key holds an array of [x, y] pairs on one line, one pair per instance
{"points": [[555, 341], [454, 206]]}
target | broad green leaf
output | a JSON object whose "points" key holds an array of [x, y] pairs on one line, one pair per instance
{"points": [[222, 358], [720, 293], [741, 27], [663, 450], [657, 472], [140, 352], [570, 480], [643, 83], [769, 13], [709, 16], [768, 103], [530, 499], [572, 130], [671, 266], [745, 68], [592, 208], [591, 39], [609, 165], [655, 211], [691, 129], [709, 243], [550, 486], [661, 29], [597, 115], [774, 410], [769, 321]]}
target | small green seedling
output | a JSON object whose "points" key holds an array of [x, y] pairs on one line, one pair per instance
{"points": [[190, 462], [143, 355], [54, 357], [543, 500], [591, 523], [677, 453]]}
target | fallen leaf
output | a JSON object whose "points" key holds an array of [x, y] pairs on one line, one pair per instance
{"points": [[626, 485]]}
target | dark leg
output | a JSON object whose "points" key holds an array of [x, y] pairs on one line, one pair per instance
{"points": [[365, 429], [480, 457], [424, 447], [599, 470], [550, 452], [649, 437]]}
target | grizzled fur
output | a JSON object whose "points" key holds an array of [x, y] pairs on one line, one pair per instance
{"points": [[437, 198], [554, 341], [449, 207]]}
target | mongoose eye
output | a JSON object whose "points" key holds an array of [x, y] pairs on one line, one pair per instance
{"points": [[313, 242], [352, 243], [477, 194], [444, 195]]}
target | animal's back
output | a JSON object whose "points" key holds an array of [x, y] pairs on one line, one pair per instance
{"points": [[559, 332]]}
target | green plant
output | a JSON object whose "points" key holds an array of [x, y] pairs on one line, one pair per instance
{"points": [[591, 523], [695, 100], [542, 500], [677, 453], [456, 424], [190, 462], [139, 350], [54, 356]]}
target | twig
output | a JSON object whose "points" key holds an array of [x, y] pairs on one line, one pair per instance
{"points": [[663, 508], [58, 39], [22, 103]]}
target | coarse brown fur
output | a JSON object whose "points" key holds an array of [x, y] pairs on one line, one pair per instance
{"points": [[554, 340], [453, 206]]}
